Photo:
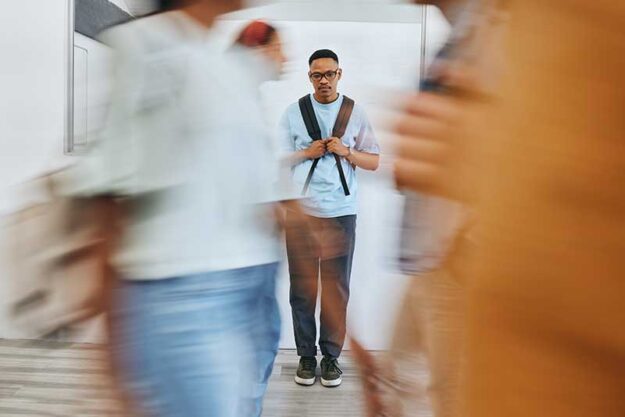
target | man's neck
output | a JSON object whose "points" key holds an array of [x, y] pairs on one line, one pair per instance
{"points": [[204, 13], [326, 100]]}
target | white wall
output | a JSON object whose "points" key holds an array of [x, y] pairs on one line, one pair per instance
{"points": [[380, 51], [32, 80], [377, 58], [33, 76]]}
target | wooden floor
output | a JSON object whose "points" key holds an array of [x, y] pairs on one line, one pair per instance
{"points": [[58, 379]]}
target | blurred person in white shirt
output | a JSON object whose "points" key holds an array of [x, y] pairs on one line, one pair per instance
{"points": [[186, 152], [258, 48]]}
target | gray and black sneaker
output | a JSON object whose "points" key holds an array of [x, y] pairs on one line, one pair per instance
{"points": [[330, 372], [306, 370]]}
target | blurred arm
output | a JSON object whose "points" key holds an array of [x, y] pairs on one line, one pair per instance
{"points": [[366, 152], [364, 160]]}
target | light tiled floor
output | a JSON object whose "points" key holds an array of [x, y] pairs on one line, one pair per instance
{"points": [[47, 379]]}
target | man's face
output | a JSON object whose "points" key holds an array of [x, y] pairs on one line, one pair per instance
{"points": [[225, 6], [324, 75]]}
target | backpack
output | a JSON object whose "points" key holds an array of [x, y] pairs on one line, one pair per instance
{"points": [[314, 131]]}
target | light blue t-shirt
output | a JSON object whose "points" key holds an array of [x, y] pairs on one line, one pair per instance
{"points": [[325, 196]]}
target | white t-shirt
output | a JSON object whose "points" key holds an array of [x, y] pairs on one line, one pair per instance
{"points": [[326, 197], [187, 144]]}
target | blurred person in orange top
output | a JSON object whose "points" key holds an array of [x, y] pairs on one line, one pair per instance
{"points": [[544, 279], [429, 330]]}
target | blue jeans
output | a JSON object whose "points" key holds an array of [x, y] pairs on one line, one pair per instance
{"points": [[197, 346]]}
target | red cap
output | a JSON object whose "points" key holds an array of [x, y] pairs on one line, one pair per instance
{"points": [[256, 33]]}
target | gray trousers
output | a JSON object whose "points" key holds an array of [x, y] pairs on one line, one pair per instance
{"points": [[321, 252]]}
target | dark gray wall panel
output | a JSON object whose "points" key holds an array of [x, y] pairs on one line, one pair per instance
{"points": [[93, 16]]}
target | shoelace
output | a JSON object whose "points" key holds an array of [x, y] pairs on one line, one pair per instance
{"points": [[333, 365]]}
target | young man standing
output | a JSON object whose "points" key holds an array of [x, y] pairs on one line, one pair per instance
{"points": [[326, 137]]}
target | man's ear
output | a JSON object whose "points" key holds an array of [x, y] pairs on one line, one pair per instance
{"points": [[340, 70]]}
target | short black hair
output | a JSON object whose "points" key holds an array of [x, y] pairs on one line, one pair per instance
{"points": [[322, 53]]}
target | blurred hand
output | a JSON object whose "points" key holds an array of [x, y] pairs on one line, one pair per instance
{"points": [[316, 150], [335, 145], [434, 138], [371, 379], [296, 215]]}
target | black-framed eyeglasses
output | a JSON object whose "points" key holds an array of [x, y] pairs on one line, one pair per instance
{"points": [[328, 75]]}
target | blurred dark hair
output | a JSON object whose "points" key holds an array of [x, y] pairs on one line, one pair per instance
{"points": [[165, 5], [256, 33], [323, 53]]}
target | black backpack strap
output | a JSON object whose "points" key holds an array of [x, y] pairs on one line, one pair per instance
{"points": [[343, 118], [340, 126], [314, 131], [310, 120], [312, 126]]}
